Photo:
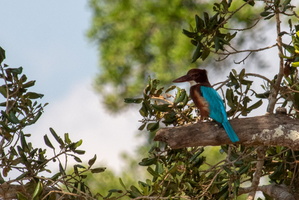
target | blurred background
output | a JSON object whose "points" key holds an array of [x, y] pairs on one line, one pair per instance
{"points": [[86, 57], [48, 39]]}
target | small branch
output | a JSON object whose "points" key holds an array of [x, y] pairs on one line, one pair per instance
{"points": [[243, 60], [221, 84], [276, 88], [246, 50], [260, 76], [244, 29], [258, 172]]}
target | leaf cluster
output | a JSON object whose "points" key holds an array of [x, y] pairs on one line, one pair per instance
{"points": [[23, 166], [208, 34], [238, 94], [185, 173], [159, 106]]}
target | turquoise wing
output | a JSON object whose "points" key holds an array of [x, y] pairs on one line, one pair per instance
{"points": [[217, 110], [216, 106]]}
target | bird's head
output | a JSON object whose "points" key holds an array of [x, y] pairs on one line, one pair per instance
{"points": [[194, 76]]}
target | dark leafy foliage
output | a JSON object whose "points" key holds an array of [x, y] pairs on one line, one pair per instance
{"points": [[19, 109]]}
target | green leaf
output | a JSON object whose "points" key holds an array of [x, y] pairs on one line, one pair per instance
{"points": [[67, 138], [57, 138], [152, 126], [79, 143], [147, 161], [55, 176], [264, 95], [37, 191], [133, 100], [197, 53], [269, 17], [170, 88], [135, 192], [28, 84], [2, 54], [92, 161], [295, 64], [142, 126], [242, 74], [47, 142], [180, 95], [61, 169], [244, 169], [12, 118], [205, 53], [154, 173], [217, 43], [206, 19], [250, 2], [265, 13], [80, 152], [3, 91], [33, 95], [162, 108], [144, 109], [20, 196], [289, 48], [228, 170], [199, 23], [256, 105], [36, 117], [122, 184], [24, 144], [189, 34], [98, 170], [77, 159], [14, 71]]}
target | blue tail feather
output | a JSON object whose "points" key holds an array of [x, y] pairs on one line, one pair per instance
{"points": [[230, 131]]}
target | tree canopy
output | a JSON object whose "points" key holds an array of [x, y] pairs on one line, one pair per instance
{"points": [[137, 39]]}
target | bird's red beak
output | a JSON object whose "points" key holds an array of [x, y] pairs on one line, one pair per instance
{"points": [[184, 78]]}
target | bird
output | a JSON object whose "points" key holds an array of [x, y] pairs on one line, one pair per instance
{"points": [[207, 99]]}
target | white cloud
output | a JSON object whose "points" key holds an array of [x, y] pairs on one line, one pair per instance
{"points": [[80, 114]]}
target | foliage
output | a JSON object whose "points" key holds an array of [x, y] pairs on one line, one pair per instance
{"points": [[188, 173], [24, 170], [141, 38]]}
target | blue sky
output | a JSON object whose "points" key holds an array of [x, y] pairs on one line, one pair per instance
{"points": [[48, 38]]}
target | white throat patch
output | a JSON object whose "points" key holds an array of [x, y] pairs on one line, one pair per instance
{"points": [[192, 83]]}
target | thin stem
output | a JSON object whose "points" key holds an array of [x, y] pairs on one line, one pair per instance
{"points": [[276, 87], [259, 171]]}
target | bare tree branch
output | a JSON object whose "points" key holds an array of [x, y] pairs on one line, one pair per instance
{"points": [[279, 192], [267, 130]]}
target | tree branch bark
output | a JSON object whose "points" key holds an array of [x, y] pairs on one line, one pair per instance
{"points": [[279, 192], [267, 130]]}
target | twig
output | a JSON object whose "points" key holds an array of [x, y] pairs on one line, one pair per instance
{"points": [[244, 51], [276, 88], [258, 172], [244, 29]]}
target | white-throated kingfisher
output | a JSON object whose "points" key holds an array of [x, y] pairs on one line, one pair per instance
{"points": [[207, 99]]}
